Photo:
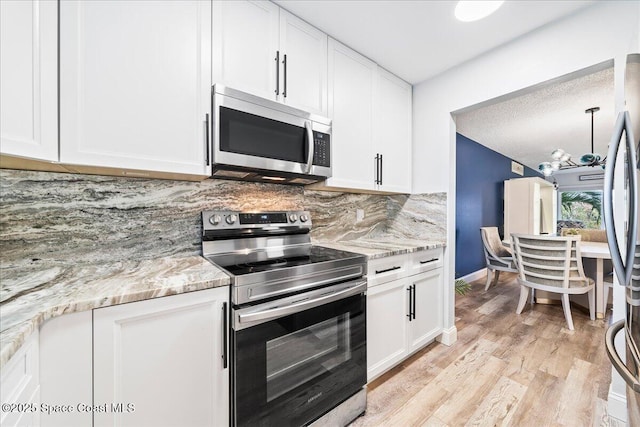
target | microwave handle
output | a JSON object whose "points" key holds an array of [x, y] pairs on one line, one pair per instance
{"points": [[310, 146]]}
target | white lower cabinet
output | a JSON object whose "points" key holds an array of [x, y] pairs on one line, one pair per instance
{"points": [[66, 370], [387, 308], [160, 362], [427, 321], [404, 310], [20, 387]]}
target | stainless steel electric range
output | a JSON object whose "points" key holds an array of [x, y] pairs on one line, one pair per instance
{"points": [[297, 321]]}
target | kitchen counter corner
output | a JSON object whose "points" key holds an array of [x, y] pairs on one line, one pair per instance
{"points": [[33, 294]]}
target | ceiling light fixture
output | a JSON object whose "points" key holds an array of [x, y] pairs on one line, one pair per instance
{"points": [[468, 11], [562, 160]]}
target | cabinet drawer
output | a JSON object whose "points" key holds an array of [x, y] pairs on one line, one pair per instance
{"points": [[383, 270], [425, 260], [19, 381]]}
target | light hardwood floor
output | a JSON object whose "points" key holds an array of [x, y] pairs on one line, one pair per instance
{"points": [[504, 370]]}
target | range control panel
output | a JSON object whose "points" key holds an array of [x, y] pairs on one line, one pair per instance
{"points": [[231, 220], [322, 149]]}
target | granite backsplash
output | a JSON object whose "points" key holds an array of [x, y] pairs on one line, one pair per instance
{"points": [[72, 219]]}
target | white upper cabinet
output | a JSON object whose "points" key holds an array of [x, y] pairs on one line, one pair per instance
{"points": [[135, 84], [245, 44], [370, 110], [264, 50], [392, 132], [304, 60], [29, 79], [351, 87]]}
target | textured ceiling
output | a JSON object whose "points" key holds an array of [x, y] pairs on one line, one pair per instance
{"points": [[418, 39], [528, 128]]}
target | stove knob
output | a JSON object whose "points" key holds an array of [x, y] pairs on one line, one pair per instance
{"points": [[230, 219], [304, 218], [215, 219], [293, 217]]}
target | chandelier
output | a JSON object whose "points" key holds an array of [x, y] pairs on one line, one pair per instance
{"points": [[562, 160]]}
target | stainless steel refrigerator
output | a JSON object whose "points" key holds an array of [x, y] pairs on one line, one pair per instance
{"points": [[625, 259]]}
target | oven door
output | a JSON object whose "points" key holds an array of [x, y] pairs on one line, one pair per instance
{"points": [[298, 357]]}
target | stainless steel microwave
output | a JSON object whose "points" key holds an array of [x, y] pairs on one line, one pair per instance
{"points": [[256, 139]]}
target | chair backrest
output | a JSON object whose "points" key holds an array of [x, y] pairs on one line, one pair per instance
{"points": [[493, 247], [549, 260]]}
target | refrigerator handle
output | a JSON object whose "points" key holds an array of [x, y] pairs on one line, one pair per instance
{"points": [[617, 363], [623, 269]]}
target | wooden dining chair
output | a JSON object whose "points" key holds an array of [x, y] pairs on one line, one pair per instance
{"points": [[552, 264], [497, 256]]}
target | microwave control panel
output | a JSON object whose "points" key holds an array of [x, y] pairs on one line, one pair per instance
{"points": [[322, 150]]}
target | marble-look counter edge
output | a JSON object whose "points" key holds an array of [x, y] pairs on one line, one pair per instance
{"points": [[87, 287], [375, 249]]}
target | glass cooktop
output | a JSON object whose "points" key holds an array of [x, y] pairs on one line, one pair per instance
{"points": [[316, 255]]}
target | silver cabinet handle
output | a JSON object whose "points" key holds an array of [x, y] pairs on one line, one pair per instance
{"points": [[277, 312], [206, 133], [284, 63], [225, 332], [377, 159], [617, 363], [310, 146], [277, 58], [624, 270]]}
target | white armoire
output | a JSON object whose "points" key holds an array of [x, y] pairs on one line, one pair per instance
{"points": [[530, 206]]}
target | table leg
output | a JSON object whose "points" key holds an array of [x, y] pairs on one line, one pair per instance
{"points": [[600, 303]]}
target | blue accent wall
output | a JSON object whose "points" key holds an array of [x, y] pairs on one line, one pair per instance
{"points": [[480, 176]]}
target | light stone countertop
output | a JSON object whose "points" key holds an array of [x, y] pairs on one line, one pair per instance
{"points": [[31, 295], [383, 246]]}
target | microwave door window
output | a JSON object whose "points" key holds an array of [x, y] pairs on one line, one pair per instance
{"points": [[245, 133]]}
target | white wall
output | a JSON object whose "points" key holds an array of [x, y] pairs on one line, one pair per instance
{"points": [[599, 33]]}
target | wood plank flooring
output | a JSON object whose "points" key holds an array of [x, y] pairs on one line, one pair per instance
{"points": [[504, 370]]}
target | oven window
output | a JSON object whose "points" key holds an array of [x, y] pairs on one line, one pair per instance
{"points": [[296, 358], [245, 133]]}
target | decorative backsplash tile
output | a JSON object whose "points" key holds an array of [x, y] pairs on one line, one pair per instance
{"points": [[70, 218]]}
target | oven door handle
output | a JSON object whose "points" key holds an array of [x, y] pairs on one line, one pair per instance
{"points": [[250, 319]]}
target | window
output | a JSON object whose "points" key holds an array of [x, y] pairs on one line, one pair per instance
{"points": [[583, 207]]}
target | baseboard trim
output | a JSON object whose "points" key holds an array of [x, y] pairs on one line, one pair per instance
{"points": [[449, 336], [617, 406], [480, 274]]}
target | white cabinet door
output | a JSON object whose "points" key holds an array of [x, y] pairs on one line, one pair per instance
{"points": [[428, 295], [20, 385], [66, 371], [387, 309], [29, 78], [392, 135], [135, 84], [351, 87], [304, 61], [245, 45], [164, 357]]}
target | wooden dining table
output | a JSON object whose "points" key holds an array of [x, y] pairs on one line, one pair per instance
{"points": [[598, 251]]}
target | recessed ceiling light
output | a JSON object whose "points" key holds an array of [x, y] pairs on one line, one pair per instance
{"points": [[468, 11]]}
